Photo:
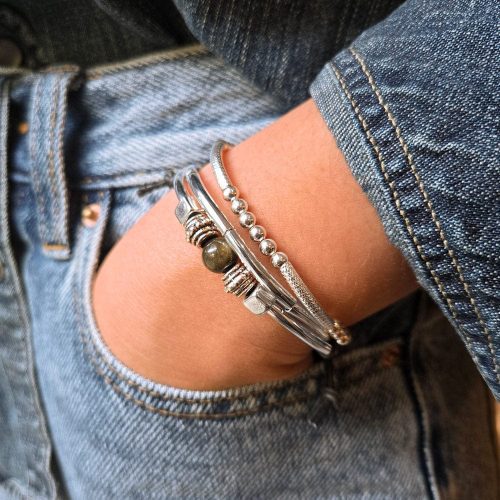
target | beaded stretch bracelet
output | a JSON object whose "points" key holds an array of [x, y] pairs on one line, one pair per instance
{"points": [[268, 246], [224, 251]]}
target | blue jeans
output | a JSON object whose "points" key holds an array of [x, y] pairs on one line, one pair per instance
{"points": [[401, 414]]}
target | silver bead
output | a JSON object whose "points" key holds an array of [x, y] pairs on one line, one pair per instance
{"points": [[247, 219], [257, 233], [278, 259], [230, 192], [200, 228], [238, 205], [267, 246], [238, 280]]}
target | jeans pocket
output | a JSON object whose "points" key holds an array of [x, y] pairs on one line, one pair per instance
{"points": [[118, 210], [120, 435]]}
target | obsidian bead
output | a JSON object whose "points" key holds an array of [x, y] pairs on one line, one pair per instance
{"points": [[218, 256]]}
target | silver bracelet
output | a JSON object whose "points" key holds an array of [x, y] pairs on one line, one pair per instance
{"points": [[269, 248], [224, 251]]}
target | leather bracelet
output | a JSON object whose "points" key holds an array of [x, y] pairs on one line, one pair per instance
{"points": [[269, 247], [224, 251]]}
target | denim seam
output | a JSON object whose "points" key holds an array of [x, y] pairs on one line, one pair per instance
{"points": [[420, 410], [85, 183], [93, 178], [428, 204], [42, 469], [395, 196], [94, 353], [258, 392], [60, 156], [62, 68], [142, 62], [95, 357], [196, 415]]}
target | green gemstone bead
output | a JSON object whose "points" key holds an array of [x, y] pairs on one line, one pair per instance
{"points": [[218, 256]]}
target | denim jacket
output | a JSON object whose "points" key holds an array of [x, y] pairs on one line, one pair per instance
{"points": [[413, 105]]}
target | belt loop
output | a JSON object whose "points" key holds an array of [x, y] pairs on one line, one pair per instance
{"points": [[4, 184], [46, 144]]}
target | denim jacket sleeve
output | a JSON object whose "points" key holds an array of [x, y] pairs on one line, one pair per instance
{"points": [[412, 103]]}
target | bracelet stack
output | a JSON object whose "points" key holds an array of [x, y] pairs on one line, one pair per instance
{"points": [[224, 251]]}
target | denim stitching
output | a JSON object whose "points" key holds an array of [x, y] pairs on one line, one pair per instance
{"points": [[142, 62], [101, 177], [397, 201], [28, 348], [428, 203], [302, 396], [194, 416], [63, 68], [421, 411], [94, 353]]}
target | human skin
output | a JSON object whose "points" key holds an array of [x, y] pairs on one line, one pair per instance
{"points": [[163, 314]]}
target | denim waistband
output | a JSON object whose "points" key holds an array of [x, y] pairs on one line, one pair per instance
{"points": [[131, 119]]}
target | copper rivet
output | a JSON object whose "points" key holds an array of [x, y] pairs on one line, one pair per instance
{"points": [[90, 214], [23, 128]]}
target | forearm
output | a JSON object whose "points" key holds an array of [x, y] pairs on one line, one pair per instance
{"points": [[300, 189]]}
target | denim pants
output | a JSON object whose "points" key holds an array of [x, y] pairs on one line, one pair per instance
{"points": [[401, 414]]}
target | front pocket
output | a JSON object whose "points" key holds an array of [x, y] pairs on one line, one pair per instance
{"points": [[136, 389], [119, 435]]}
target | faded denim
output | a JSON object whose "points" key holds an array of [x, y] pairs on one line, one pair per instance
{"points": [[407, 414]]}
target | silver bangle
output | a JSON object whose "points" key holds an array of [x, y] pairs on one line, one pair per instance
{"points": [[200, 216], [269, 247]]}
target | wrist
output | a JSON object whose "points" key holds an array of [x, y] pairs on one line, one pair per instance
{"points": [[305, 196]]}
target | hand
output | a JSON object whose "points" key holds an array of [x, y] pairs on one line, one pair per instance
{"points": [[163, 314], [167, 317]]}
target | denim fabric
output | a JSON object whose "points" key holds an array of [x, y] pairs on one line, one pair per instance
{"points": [[85, 32], [407, 414], [280, 46], [412, 105]]}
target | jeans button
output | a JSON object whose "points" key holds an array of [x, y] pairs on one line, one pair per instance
{"points": [[10, 54]]}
